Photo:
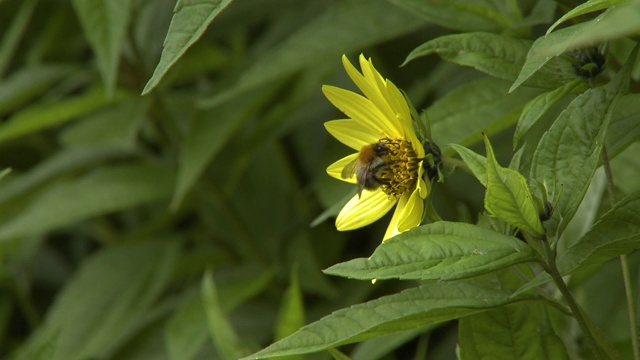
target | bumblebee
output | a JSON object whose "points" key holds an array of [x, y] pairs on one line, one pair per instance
{"points": [[368, 166]]}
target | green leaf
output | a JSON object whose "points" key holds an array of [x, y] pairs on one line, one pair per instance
{"points": [[186, 330], [476, 162], [379, 347], [459, 15], [537, 107], [43, 116], [105, 23], [420, 306], [438, 251], [338, 355], [115, 126], [616, 22], [344, 26], [190, 20], [222, 333], [26, 84], [56, 164], [487, 108], [102, 191], [291, 315], [15, 33], [568, 153], [497, 55], [95, 311], [586, 8], [624, 127], [517, 331], [508, 196], [616, 233], [210, 131]]}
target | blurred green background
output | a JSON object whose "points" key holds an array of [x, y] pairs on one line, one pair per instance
{"points": [[123, 212]]}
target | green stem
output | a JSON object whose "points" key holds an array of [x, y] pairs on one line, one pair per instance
{"points": [[577, 313], [626, 277]]}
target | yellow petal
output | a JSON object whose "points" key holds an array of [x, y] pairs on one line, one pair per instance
{"points": [[351, 133], [335, 169], [359, 212], [370, 84], [392, 229], [410, 211], [423, 189], [359, 109]]}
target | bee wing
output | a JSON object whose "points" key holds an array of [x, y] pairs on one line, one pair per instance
{"points": [[349, 170]]}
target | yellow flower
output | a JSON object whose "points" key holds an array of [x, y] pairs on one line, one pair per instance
{"points": [[388, 163]]}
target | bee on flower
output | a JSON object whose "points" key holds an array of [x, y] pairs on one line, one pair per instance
{"points": [[389, 161]]}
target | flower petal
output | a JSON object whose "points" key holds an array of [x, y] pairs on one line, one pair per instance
{"points": [[360, 109], [392, 229], [411, 211], [351, 133], [335, 169], [371, 84], [359, 212]]}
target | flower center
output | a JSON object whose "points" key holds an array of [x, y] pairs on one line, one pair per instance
{"points": [[400, 172]]}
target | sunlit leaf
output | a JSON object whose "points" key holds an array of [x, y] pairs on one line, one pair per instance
{"points": [[508, 196], [438, 251], [476, 162], [568, 153], [427, 304]]}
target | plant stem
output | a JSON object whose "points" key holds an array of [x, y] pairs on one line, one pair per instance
{"points": [[577, 313], [628, 289]]}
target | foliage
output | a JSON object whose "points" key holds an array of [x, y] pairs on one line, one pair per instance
{"points": [[162, 163]]}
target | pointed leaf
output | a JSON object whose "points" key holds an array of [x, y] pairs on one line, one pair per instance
{"points": [[345, 25], [537, 107], [28, 83], [497, 55], [487, 108], [291, 316], [517, 331], [459, 15], [586, 8], [224, 337], [568, 153], [438, 251], [615, 234], [42, 116], [95, 310], [616, 22], [508, 196], [105, 23], [190, 20], [476, 162], [427, 304], [102, 191], [624, 128]]}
